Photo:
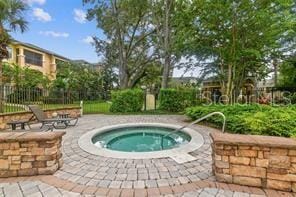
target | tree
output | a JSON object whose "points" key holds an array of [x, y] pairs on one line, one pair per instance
{"points": [[152, 77], [237, 38], [129, 35], [83, 79], [287, 76], [24, 77], [73, 76], [163, 21], [109, 78], [11, 19]]}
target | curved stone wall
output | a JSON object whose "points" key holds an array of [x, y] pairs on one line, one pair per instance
{"points": [[260, 161], [30, 153], [8, 117]]}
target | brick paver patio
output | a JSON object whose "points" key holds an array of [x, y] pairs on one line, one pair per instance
{"points": [[91, 175]]}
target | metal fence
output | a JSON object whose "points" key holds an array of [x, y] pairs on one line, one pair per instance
{"points": [[272, 96], [16, 99]]}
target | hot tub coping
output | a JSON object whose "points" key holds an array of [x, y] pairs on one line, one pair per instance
{"points": [[197, 140]]}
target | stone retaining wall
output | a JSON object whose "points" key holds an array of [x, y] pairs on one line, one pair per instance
{"points": [[8, 117], [30, 153], [260, 161]]}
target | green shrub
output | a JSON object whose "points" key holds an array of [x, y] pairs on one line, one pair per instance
{"points": [[22, 95], [292, 98], [130, 100], [251, 119], [276, 121], [176, 100]]}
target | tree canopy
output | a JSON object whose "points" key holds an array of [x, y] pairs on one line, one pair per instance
{"points": [[231, 39], [237, 38], [129, 37], [24, 77], [288, 73], [76, 77]]}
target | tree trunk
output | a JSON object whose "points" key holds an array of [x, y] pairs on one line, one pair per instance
{"points": [[4, 39], [232, 65], [1, 87], [167, 54], [3, 50], [229, 83], [275, 66], [123, 75], [166, 72], [124, 80]]}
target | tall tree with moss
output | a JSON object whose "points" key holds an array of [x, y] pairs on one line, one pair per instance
{"points": [[163, 12], [129, 45]]}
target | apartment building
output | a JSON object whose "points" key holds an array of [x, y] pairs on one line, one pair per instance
{"points": [[25, 54]]}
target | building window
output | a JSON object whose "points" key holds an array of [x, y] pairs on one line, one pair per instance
{"points": [[9, 49], [33, 58]]}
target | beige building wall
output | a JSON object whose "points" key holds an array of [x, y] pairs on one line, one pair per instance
{"points": [[48, 67]]}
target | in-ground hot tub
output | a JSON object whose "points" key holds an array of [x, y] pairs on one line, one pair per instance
{"points": [[142, 141]]}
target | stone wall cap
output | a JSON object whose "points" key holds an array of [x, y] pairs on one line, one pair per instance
{"points": [[30, 136], [253, 140], [46, 110], [64, 108]]}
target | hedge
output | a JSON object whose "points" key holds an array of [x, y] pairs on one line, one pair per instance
{"points": [[130, 100], [292, 97], [174, 100], [251, 119]]}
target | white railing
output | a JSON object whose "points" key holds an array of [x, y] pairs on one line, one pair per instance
{"points": [[196, 121]]}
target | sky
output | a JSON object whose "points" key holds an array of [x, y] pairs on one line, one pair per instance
{"points": [[60, 26]]}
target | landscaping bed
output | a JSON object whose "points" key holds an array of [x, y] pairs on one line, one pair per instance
{"points": [[251, 119]]}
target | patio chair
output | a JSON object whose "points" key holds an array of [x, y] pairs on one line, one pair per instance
{"points": [[51, 122]]}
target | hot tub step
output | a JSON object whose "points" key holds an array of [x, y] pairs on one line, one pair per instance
{"points": [[183, 158]]}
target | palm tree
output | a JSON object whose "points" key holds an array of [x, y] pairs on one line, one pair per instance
{"points": [[11, 20]]}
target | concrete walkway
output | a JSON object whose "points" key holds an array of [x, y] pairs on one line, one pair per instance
{"points": [[84, 174]]}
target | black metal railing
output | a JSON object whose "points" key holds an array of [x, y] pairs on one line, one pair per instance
{"points": [[16, 99]]}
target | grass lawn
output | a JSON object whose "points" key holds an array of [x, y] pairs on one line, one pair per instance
{"points": [[11, 109], [91, 107], [57, 106], [94, 107], [100, 107]]}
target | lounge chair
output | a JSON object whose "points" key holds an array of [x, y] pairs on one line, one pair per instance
{"points": [[57, 123]]}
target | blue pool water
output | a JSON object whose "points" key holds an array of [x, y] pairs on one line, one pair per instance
{"points": [[140, 139]]}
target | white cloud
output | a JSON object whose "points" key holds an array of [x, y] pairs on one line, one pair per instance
{"points": [[41, 15], [54, 34], [88, 40], [31, 2], [79, 16]]}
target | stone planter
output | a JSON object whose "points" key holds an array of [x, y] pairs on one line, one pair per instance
{"points": [[260, 161], [30, 153], [8, 117]]}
